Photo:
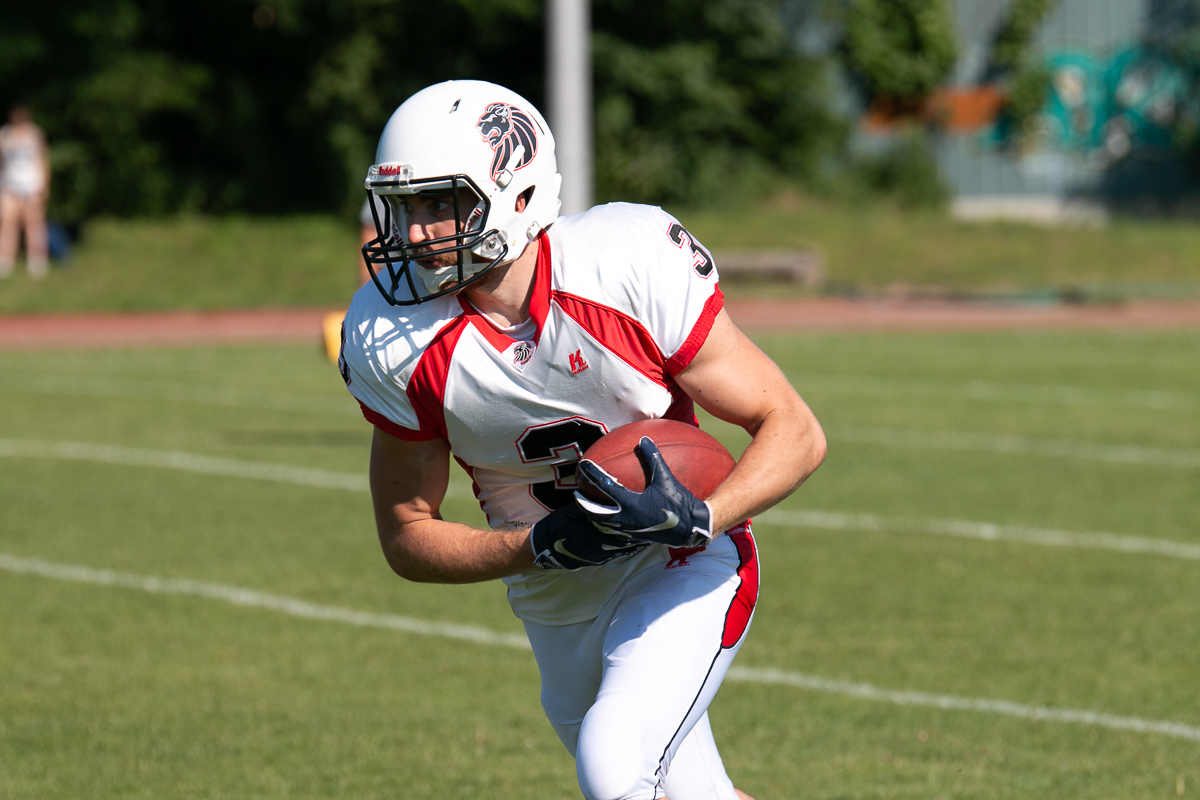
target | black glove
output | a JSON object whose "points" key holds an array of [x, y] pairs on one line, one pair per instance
{"points": [[666, 512], [567, 539]]}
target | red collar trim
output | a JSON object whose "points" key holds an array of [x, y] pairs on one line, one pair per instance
{"points": [[539, 303]]}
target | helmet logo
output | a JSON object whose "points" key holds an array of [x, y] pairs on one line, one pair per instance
{"points": [[506, 128]]}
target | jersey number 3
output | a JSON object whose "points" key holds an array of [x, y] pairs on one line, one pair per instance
{"points": [[565, 441], [701, 261]]}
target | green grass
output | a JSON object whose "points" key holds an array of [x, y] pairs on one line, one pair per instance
{"points": [[876, 247], [116, 692], [198, 263]]}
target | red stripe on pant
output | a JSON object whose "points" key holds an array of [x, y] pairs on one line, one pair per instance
{"points": [[737, 618]]}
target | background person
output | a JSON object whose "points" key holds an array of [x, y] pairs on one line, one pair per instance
{"points": [[511, 341], [24, 190]]}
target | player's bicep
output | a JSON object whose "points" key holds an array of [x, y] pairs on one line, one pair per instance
{"points": [[733, 380], [408, 480]]}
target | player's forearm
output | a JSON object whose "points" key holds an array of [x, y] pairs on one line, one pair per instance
{"points": [[785, 450], [436, 551]]}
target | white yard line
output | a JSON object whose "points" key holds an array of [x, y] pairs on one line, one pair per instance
{"points": [[997, 392], [1019, 445], [988, 531], [127, 389], [187, 462], [326, 479], [207, 465], [253, 599], [470, 633], [865, 691]]}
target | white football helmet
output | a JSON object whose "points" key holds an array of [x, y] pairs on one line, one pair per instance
{"points": [[452, 136]]}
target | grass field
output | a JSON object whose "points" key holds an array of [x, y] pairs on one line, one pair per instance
{"points": [[991, 589], [875, 247], [203, 263]]}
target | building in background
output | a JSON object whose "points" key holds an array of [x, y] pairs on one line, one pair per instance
{"points": [[1119, 99], [1115, 115]]}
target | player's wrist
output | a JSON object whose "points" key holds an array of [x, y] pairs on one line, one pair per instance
{"points": [[544, 535], [537, 548], [566, 539], [706, 522]]}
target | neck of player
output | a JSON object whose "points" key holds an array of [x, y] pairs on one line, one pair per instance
{"points": [[504, 293]]}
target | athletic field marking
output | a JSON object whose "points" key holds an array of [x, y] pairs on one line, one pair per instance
{"points": [[191, 462], [988, 531], [470, 633], [229, 396], [326, 479], [187, 462], [1000, 392], [253, 599], [865, 691], [1020, 445]]}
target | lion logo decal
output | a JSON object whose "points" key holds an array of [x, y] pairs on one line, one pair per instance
{"points": [[522, 352], [505, 128]]}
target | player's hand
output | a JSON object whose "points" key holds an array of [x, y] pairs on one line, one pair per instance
{"points": [[566, 539], [666, 512]]}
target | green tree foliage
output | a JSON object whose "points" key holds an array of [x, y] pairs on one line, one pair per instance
{"points": [[905, 173], [1028, 79], [901, 49], [1027, 90], [157, 106], [1010, 48], [274, 106], [700, 100]]}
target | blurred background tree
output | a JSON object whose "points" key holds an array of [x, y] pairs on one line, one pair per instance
{"points": [[698, 101], [217, 106], [901, 49], [1013, 62], [899, 52]]}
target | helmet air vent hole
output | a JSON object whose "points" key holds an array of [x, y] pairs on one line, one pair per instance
{"points": [[454, 107]]}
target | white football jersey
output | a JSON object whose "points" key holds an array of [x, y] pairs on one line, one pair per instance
{"points": [[623, 299]]}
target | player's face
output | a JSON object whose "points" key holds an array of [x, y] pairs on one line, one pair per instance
{"points": [[430, 215]]}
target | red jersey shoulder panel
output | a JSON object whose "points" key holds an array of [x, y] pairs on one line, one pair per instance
{"points": [[620, 333], [426, 388]]}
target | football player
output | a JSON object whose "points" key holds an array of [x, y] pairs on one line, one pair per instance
{"points": [[510, 338]]}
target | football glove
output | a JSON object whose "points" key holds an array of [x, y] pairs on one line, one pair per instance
{"points": [[567, 539], [666, 512]]}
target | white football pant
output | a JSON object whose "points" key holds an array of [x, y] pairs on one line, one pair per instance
{"points": [[628, 692]]}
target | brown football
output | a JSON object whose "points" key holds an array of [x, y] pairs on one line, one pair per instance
{"points": [[698, 460]]}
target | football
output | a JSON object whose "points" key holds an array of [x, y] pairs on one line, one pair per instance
{"points": [[696, 459]]}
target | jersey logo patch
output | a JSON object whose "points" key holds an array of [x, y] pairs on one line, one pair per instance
{"points": [[522, 352], [506, 129], [578, 365], [679, 556]]}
